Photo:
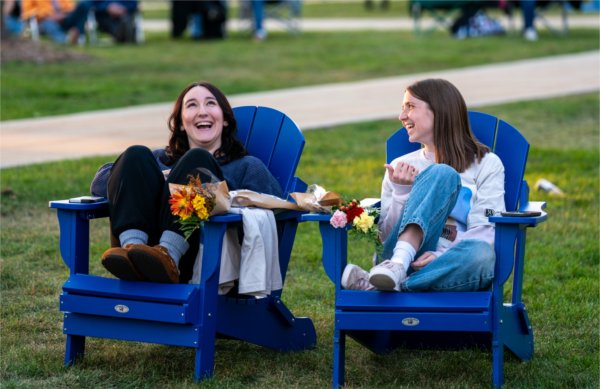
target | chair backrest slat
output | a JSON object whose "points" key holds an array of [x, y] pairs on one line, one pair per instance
{"points": [[512, 148], [244, 117], [398, 145], [286, 154], [502, 138], [274, 138], [484, 127], [264, 133]]}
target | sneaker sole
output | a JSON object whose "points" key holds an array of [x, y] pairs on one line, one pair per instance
{"points": [[150, 267], [121, 268], [382, 282]]}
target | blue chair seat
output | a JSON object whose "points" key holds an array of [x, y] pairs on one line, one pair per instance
{"points": [[351, 300]]}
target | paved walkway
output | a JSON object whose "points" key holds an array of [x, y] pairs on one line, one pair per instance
{"points": [[110, 131]]}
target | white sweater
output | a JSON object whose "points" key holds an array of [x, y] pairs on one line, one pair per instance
{"points": [[484, 180]]}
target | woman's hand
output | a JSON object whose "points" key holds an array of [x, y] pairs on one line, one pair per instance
{"points": [[423, 260], [402, 174]]}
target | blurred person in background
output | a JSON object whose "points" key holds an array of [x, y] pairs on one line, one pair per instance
{"points": [[528, 10], [258, 14], [383, 4], [11, 18], [206, 18], [117, 18], [63, 21]]}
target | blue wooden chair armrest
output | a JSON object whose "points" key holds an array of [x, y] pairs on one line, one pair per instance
{"points": [[530, 221], [92, 210], [316, 217], [74, 227], [334, 245]]}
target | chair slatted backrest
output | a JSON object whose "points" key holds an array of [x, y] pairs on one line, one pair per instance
{"points": [[502, 138], [280, 152]]}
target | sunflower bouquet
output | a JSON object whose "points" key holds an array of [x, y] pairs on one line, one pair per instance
{"points": [[193, 203]]}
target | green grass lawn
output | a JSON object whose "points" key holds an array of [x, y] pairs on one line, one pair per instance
{"points": [[561, 286], [561, 276], [118, 76]]}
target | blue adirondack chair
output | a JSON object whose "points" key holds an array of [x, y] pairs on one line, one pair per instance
{"points": [[382, 321], [185, 314]]}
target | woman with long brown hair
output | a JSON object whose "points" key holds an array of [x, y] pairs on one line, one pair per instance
{"points": [[435, 233], [203, 135]]}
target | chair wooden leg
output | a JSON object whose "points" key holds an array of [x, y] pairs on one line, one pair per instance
{"points": [[339, 358], [205, 361], [267, 322], [75, 348], [518, 333], [497, 361]]}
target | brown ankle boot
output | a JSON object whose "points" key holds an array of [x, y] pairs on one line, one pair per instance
{"points": [[154, 263], [116, 261]]}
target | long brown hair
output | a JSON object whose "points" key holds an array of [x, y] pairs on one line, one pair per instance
{"points": [[231, 147], [453, 140]]}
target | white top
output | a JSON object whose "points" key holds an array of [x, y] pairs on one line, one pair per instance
{"points": [[484, 180]]}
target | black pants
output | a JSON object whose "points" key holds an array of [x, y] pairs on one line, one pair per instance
{"points": [[121, 28], [212, 12], [138, 196]]}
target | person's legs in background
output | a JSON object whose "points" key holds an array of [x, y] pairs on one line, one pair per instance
{"points": [[74, 22], [11, 18], [180, 12], [258, 12], [528, 9], [53, 30], [121, 28]]}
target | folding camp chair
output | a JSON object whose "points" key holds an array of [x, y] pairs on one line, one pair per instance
{"points": [[383, 321], [189, 315], [442, 13], [286, 13], [541, 9]]}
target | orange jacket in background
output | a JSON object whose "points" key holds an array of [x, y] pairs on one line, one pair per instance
{"points": [[44, 8]]}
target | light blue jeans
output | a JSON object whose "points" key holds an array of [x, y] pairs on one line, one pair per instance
{"points": [[467, 266], [259, 14]]}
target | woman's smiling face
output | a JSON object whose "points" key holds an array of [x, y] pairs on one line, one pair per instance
{"points": [[417, 118], [202, 119]]}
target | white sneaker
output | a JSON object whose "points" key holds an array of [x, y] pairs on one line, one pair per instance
{"points": [[387, 276], [260, 35], [531, 35], [355, 278]]}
